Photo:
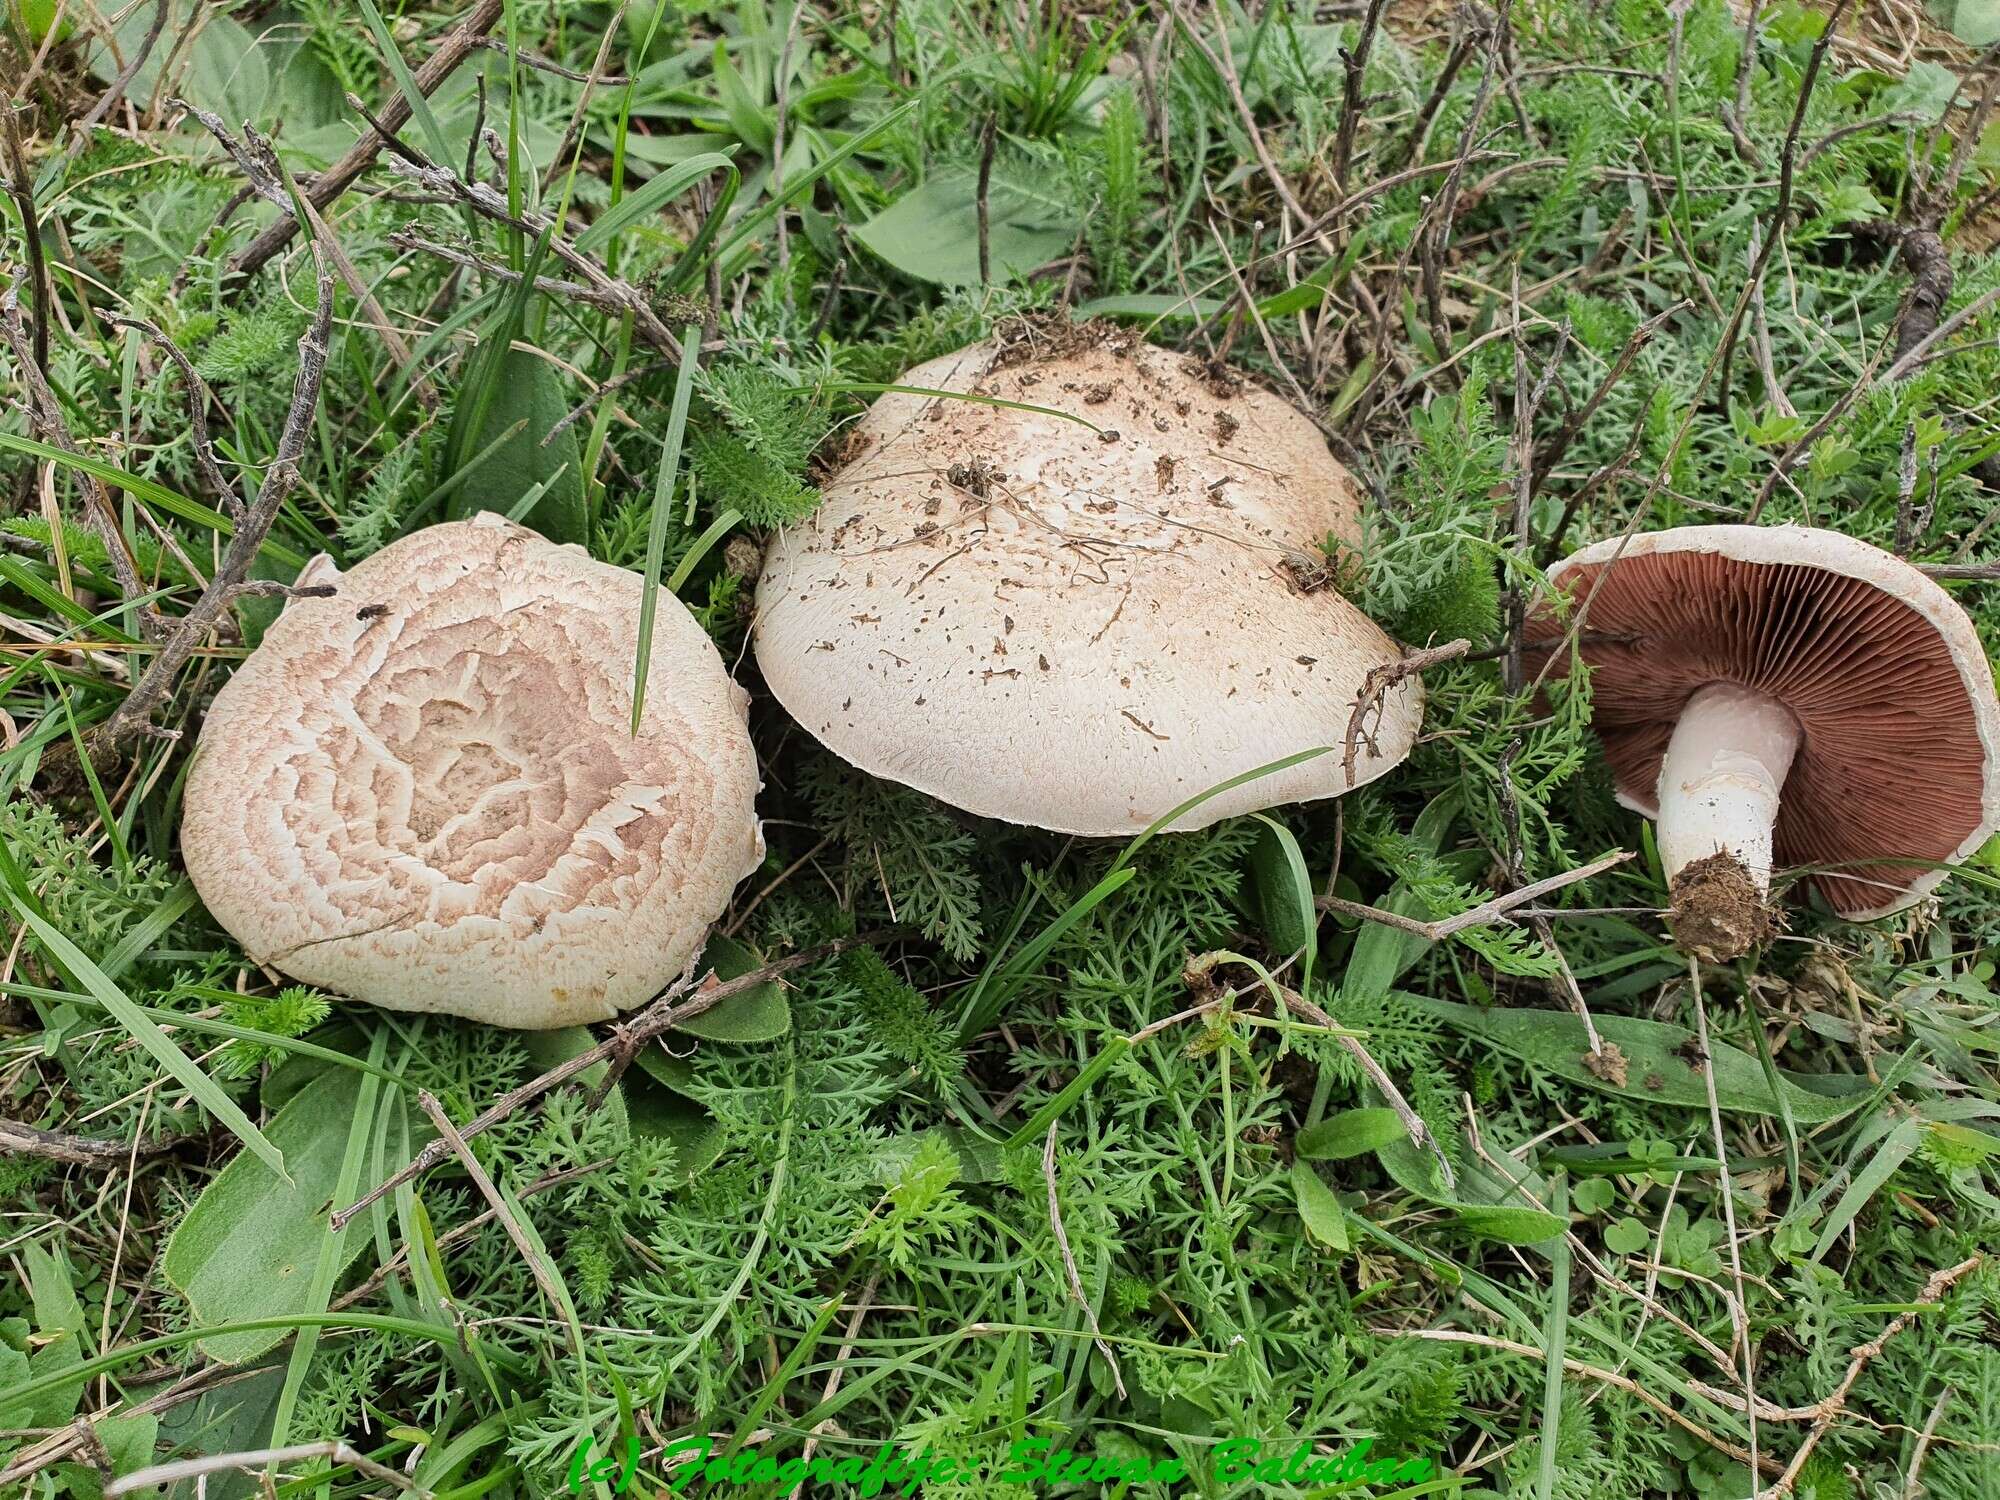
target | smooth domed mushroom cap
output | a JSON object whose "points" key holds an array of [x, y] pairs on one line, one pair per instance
{"points": [[1899, 757], [424, 791], [1080, 627]]}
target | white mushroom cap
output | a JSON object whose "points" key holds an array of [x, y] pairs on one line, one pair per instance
{"points": [[424, 792], [1079, 627]]}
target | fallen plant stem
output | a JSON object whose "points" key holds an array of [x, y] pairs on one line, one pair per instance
{"points": [[1069, 1260], [1482, 915], [657, 1018], [458, 44]]}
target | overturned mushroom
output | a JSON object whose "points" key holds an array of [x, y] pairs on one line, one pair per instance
{"points": [[425, 792], [1785, 696], [1081, 624]]}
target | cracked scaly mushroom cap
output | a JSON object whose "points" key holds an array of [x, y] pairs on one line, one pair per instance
{"points": [[1080, 625], [424, 791]]}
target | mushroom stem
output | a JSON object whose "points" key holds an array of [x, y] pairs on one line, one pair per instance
{"points": [[1720, 779]]}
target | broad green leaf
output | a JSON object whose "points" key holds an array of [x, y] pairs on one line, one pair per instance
{"points": [[1656, 1056], [932, 232], [1285, 896], [664, 1114], [1319, 1209], [1512, 1226], [548, 1049], [526, 388], [250, 1245], [760, 1014], [1627, 1237], [59, 1320], [1353, 1132]]}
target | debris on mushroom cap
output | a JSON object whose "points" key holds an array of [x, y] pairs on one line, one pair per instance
{"points": [[424, 791], [1079, 625], [1896, 766]]}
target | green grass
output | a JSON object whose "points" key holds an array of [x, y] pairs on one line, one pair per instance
{"points": [[841, 1233]]}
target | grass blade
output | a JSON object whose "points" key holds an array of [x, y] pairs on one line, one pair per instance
{"points": [[79, 970], [663, 501]]}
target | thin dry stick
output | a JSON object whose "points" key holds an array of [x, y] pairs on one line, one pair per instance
{"points": [[1413, 1124], [197, 403], [1800, 451], [1553, 451], [108, 100], [1911, 1487], [330, 184], [1354, 67], [448, 1133], [21, 184], [218, 1463], [987, 139], [45, 412], [1375, 687], [1739, 1319], [465, 1231], [80, 1150], [839, 1369], [1787, 167], [133, 716], [1828, 1411], [1069, 1261], [1589, 1372], [1482, 915], [490, 204], [661, 1016]]}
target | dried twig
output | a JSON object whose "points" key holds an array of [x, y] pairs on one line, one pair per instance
{"points": [[45, 412], [1739, 1311], [218, 1463], [1787, 168], [1482, 915], [448, 1134], [1354, 67], [491, 204], [1413, 1123], [1624, 1383], [458, 45], [988, 135], [1069, 1261], [665, 1013], [197, 403], [108, 100], [466, 1230], [80, 1150], [1375, 687], [260, 165], [21, 186], [1829, 1408], [1553, 451]]}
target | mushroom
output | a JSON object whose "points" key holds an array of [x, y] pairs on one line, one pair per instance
{"points": [[1075, 581], [425, 791], [1784, 695]]}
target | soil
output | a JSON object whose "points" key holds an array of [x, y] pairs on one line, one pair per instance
{"points": [[1039, 337], [1718, 913]]}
